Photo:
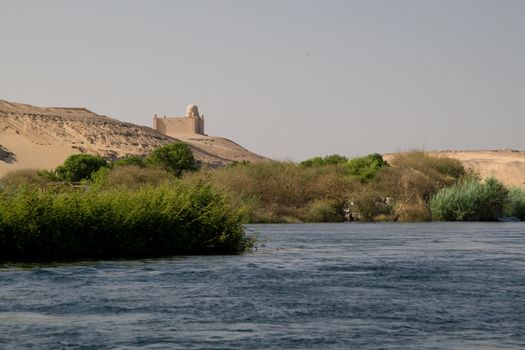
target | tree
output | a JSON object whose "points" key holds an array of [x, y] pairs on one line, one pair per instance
{"points": [[79, 167], [365, 168], [331, 159], [175, 158]]}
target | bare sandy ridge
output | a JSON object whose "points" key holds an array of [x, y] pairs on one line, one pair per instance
{"points": [[42, 138], [508, 166]]}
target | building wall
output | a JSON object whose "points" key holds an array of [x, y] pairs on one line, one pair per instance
{"points": [[201, 125], [173, 126]]}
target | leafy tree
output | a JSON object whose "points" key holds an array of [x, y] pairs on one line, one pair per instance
{"points": [[365, 168], [331, 159], [80, 167], [175, 158], [334, 159], [313, 162]]}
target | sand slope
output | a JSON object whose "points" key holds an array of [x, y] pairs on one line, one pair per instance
{"points": [[36, 137], [508, 166]]}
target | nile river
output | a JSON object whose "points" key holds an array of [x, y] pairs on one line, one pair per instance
{"points": [[325, 286]]}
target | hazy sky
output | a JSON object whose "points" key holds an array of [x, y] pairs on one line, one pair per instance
{"points": [[286, 79]]}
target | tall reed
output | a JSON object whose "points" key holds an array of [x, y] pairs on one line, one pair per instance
{"points": [[39, 224], [469, 200]]}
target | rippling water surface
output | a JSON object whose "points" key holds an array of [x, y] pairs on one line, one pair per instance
{"points": [[326, 286]]}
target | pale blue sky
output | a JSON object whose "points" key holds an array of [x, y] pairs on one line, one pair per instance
{"points": [[286, 79]]}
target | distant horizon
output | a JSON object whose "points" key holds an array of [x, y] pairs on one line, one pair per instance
{"points": [[286, 79]]}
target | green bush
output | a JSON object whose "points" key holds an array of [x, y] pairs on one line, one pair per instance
{"points": [[38, 225], [176, 158], [411, 179], [469, 200], [366, 168], [362, 168], [280, 191], [79, 167], [332, 159], [515, 203]]}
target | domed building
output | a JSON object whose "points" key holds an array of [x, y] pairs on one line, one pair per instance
{"points": [[191, 123]]}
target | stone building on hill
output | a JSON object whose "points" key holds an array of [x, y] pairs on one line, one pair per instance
{"points": [[191, 123]]}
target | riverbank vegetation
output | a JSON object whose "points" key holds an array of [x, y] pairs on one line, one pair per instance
{"points": [[335, 188], [121, 211], [164, 204], [470, 200], [412, 186]]}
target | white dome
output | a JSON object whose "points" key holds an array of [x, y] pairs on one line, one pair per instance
{"points": [[192, 111]]}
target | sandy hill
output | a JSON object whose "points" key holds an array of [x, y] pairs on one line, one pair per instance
{"points": [[508, 166], [37, 137]]}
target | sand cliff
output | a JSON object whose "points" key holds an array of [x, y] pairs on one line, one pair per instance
{"points": [[38, 137]]}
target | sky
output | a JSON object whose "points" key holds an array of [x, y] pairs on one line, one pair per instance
{"points": [[286, 79]]}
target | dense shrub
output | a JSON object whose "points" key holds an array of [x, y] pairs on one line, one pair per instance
{"points": [[470, 200], [362, 168], [443, 170], [153, 221], [318, 190], [176, 158], [515, 205], [368, 202], [79, 167], [277, 191], [411, 179], [332, 159], [365, 168]]}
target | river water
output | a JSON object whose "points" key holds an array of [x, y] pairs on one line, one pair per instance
{"points": [[319, 286]]}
